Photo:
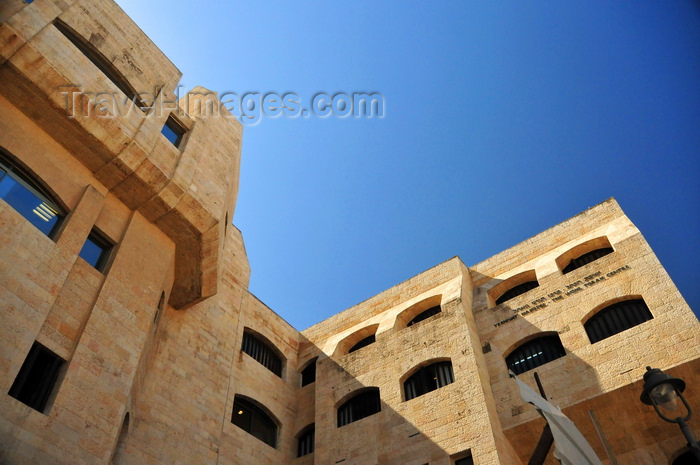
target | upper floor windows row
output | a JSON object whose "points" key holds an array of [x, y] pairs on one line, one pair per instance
{"points": [[603, 323], [569, 261], [262, 351]]}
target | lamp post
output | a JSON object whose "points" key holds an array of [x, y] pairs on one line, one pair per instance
{"points": [[661, 390]]}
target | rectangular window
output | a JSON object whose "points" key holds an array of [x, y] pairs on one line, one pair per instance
{"points": [[465, 461], [37, 377], [96, 250], [174, 131]]}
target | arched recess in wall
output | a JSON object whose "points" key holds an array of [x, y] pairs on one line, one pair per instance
{"points": [[254, 418], [583, 254], [357, 340], [29, 195], [419, 312], [119, 451], [427, 377], [616, 316], [263, 351], [534, 351], [306, 439], [512, 287], [358, 405]]}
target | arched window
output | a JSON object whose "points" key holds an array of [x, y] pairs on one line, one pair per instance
{"points": [[254, 420], [305, 440], [616, 318], [516, 291], [361, 405], [424, 315], [428, 378], [513, 286], [308, 374], [24, 194], [363, 343], [586, 258], [357, 340], [262, 351], [534, 353]]}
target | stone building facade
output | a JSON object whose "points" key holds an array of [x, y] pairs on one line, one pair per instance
{"points": [[129, 335]]}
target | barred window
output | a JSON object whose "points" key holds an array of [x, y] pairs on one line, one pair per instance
{"points": [[28, 198], [37, 377], [534, 353], [428, 378], [424, 315], [254, 420], [516, 291], [586, 258], [308, 374], [262, 352], [363, 343], [362, 405], [616, 318], [305, 443]]}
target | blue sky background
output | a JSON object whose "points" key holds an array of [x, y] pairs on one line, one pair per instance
{"points": [[502, 119]]}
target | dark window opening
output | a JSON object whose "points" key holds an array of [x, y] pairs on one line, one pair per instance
{"points": [[174, 132], [308, 374], [465, 461], [96, 250], [534, 353], [363, 343], [261, 352], [28, 198], [516, 291], [306, 441], [37, 377], [686, 458], [428, 379], [362, 405], [617, 318], [425, 315], [101, 62], [252, 419], [586, 258]]}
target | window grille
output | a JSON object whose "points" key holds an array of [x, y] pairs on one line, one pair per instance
{"points": [[360, 406], [516, 291], [308, 374], [37, 377], [425, 315], [534, 353], [261, 352], [363, 343], [616, 318], [306, 441], [586, 258], [252, 419], [428, 379]]}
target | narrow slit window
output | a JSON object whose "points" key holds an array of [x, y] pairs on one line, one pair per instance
{"points": [[534, 353], [262, 353], [427, 379], [424, 315], [308, 374], [28, 198], [586, 258], [305, 443], [617, 318], [173, 131], [363, 343], [96, 250], [254, 420], [360, 406], [37, 377]]}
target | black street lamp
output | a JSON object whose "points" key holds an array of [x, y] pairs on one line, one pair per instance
{"points": [[661, 390]]}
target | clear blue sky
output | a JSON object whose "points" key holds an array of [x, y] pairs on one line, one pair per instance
{"points": [[502, 119]]}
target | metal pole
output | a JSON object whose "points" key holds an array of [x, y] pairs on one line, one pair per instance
{"points": [[692, 442]]}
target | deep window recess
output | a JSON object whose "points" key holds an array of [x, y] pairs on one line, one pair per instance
{"points": [[28, 198], [534, 353], [252, 419], [465, 461], [516, 291], [101, 62], [96, 250], [173, 131], [37, 377], [261, 352], [308, 374], [360, 406], [428, 379], [586, 258], [424, 315], [305, 444], [363, 343], [616, 318]]}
